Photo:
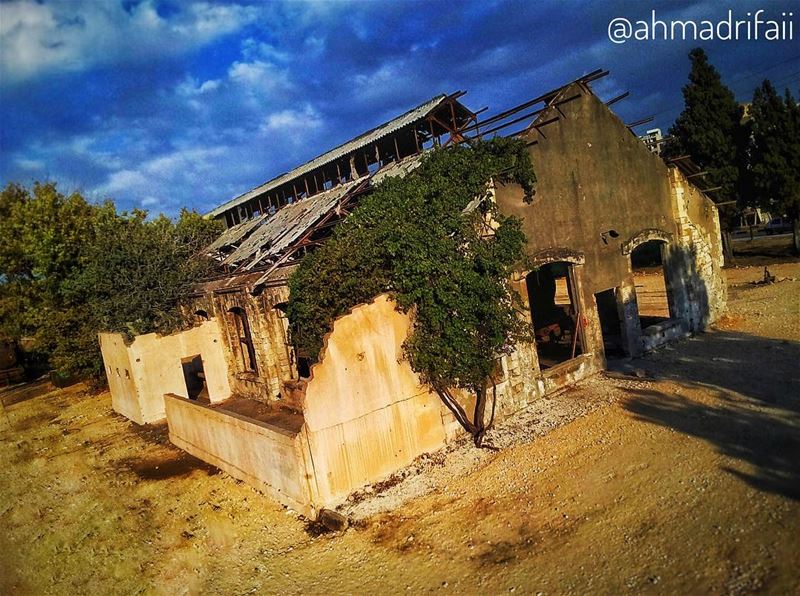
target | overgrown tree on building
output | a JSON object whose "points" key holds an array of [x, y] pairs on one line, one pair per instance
{"points": [[424, 239], [710, 130], [774, 155], [69, 269]]}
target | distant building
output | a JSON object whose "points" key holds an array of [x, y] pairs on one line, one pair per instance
{"points": [[653, 139]]}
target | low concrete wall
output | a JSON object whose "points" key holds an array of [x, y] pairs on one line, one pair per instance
{"points": [[267, 457], [662, 333], [141, 373], [366, 413]]}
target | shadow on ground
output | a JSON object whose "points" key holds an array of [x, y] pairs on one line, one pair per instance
{"points": [[754, 413], [764, 250]]}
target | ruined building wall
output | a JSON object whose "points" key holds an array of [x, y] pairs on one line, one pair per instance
{"points": [[270, 458], [699, 230], [593, 176], [269, 333], [366, 413], [600, 193], [141, 373]]}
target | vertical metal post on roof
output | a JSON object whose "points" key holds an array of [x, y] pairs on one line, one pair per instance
{"points": [[396, 150], [338, 173], [416, 139], [377, 155], [294, 190], [433, 134], [305, 181]]}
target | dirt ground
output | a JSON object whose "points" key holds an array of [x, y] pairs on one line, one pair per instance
{"points": [[681, 478]]}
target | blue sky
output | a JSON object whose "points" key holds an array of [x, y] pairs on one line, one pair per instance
{"points": [[166, 104]]}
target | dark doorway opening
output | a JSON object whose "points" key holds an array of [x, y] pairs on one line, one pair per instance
{"points": [[610, 324], [246, 351], [195, 378], [303, 367], [554, 313], [647, 264]]}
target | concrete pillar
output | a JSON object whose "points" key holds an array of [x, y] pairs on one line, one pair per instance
{"points": [[628, 310], [677, 264]]}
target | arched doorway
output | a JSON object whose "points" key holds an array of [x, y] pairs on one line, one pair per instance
{"points": [[659, 272], [650, 280], [552, 297]]}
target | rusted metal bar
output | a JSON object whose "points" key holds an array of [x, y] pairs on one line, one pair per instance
{"points": [[519, 118], [640, 122], [619, 97], [524, 117]]}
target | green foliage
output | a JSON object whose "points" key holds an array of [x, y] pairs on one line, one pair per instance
{"points": [[709, 129], [69, 269], [775, 151], [412, 238]]}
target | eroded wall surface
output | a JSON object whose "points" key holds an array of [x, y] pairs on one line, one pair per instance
{"points": [[269, 331], [152, 366], [600, 189], [698, 224], [267, 457], [366, 413], [121, 382]]}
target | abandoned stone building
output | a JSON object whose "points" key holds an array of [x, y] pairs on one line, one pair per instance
{"points": [[625, 251]]}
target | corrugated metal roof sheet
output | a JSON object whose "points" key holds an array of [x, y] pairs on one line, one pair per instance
{"points": [[235, 233], [360, 141], [277, 233]]}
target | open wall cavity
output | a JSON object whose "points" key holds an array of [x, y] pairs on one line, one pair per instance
{"points": [[554, 312], [650, 277]]}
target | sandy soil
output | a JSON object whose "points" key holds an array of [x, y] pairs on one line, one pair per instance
{"points": [[685, 478]]}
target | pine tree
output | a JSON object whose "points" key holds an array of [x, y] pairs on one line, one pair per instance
{"points": [[710, 131], [775, 154]]}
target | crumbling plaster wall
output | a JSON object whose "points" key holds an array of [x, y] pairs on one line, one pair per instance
{"points": [[150, 366], [598, 187], [699, 233], [269, 332], [366, 412], [269, 458]]}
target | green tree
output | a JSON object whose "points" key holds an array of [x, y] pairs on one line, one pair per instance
{"points": [[416, 239], [42, 235], [710, 130], [70, 269], [775, 155]]}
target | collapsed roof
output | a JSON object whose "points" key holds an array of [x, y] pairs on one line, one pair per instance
{"points": [[270, 226]]}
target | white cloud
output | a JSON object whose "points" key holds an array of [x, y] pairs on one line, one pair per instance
{"points": [[190, 86], [39, 38], [260, 76], [29, 164], [123, 181], [294, 125]]}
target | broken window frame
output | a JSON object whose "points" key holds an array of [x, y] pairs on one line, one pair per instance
{"points": [[244, 346]]}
